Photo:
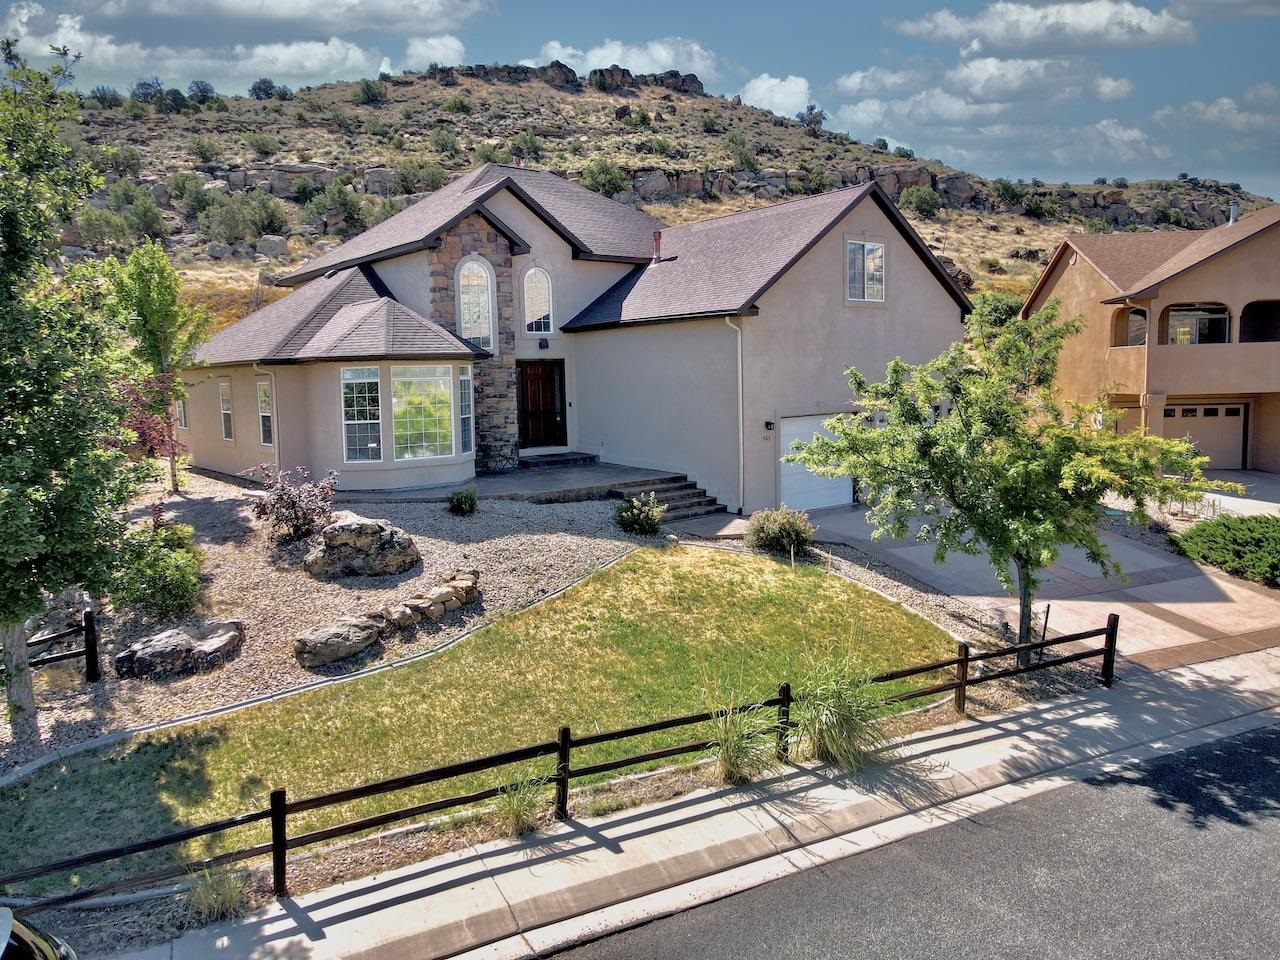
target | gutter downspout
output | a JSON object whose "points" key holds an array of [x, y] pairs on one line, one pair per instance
{"points": [[742, 475], [275, 413]]}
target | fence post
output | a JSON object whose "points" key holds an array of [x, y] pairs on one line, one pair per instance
{"points": [[784, 722], [92, 661], [562, 773], [962, 675], [279, 843], [1109, 650]]}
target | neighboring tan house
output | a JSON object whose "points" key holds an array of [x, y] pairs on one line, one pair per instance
{"points": [[1182, 332], [513, 313]]}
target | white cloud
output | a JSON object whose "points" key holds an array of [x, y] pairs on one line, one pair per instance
{"points": [[1263, 94], [107, 60], [1222, 112], [654, 56], [942, 106], [878, 80], [424, 51], [1110, 141], [1112, 88], [785, 96], [1088, 25], [403, 16]]}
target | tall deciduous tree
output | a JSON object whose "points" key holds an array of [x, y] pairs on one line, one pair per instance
{"points": [[166, 333], [975, 445], [62, 481]]}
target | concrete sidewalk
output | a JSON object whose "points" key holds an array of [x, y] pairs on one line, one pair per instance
{"points": [[512, 898]]}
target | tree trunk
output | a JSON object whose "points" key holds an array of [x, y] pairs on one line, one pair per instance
{"points": [[1024, 611], [17, 684]]}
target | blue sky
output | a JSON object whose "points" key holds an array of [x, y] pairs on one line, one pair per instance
{"points": [[1058, 90]]}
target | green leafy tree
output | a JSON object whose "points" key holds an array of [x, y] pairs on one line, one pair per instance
{"points": [[1005, 471], [62, 476], [166, 333]]}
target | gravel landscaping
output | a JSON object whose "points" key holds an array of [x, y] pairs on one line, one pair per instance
{"points": [[523, 552]]}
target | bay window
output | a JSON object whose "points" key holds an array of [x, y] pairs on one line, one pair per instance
{"points": [[865, 270], [361, 414], [422, 411]]}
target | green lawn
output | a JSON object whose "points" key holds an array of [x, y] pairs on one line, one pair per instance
{"points": [[640, 641]]}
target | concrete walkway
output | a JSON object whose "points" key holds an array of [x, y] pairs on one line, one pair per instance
{"points": [[1172, 612], [511, 899]]}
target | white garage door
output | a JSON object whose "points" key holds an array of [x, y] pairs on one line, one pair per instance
{"points": [[1217, 430], [800, 489]]}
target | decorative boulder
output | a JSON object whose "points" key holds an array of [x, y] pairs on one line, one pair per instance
{"points": [[181, 650], [336, 641], [357, 546]]}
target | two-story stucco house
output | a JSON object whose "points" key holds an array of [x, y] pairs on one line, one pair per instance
{"points": [[513, 313], [1182, 332]]}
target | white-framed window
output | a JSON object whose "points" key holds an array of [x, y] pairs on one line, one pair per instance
{"points": [[422, 411], [180, 413], [466, 412], [865, 271], [477, 302], [266, 428], [537, 301], [224, 405], [361, 414]]}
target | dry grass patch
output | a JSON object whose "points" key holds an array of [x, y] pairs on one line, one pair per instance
{"points": [[640, 641]]}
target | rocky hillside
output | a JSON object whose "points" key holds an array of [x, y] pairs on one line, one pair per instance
{"points": [[245, 185]]}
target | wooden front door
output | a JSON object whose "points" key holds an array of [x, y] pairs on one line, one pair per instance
{"points": [[542, 405]]}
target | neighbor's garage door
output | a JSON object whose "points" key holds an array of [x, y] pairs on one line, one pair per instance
{"points": [[1217, 430], [800, 489]]}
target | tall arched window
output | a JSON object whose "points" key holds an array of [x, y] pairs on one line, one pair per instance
{"points": [[476, 302], [537, 301]]}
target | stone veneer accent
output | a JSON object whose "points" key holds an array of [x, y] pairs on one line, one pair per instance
{"points": [[497, 429]]}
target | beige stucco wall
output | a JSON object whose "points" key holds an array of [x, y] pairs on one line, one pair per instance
{"points": [[1089, 365], [796, 350], [663, 396], [308, 428]]}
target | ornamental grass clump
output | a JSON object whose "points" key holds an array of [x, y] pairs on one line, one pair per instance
{"points": [[294, 505], [745, 744], [642, 514], [838, 719], [783, 530]]}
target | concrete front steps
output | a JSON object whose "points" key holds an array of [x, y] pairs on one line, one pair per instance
{"points": [[683, 498]]}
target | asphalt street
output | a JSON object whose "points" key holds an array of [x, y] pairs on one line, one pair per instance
{"points": [[1175, 858]]}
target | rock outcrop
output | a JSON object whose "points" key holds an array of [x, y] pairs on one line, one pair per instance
{"points": [[181, 650], [356, 546]]}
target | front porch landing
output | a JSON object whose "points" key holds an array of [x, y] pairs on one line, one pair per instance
{"points": [[562, 484]]}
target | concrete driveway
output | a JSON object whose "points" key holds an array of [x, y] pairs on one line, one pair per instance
{"points": [[1171, 610], [1262, 491]]}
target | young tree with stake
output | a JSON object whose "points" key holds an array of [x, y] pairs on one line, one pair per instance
{"points": [[1003, 470]]}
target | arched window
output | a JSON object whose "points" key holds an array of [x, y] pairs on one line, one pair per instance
{"points": [[537, 301], [476, 306]]}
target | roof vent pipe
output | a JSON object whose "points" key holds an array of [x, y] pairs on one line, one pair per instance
{"points": [[657, 246], [1235, 211]]}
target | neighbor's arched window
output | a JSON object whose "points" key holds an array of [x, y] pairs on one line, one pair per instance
{"points": [[537, 301], [476, 302]]}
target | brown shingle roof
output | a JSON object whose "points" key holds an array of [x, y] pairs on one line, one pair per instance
{"points": [[347, 314], [723, 265], [1203, 246], [594, 226]]}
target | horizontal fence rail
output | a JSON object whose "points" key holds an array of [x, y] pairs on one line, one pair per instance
{"points": [[281, 808], [88, 626]]}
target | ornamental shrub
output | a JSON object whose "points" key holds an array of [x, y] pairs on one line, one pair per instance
{"points": [[462, 503], [294, 505], [1247, 547], [159, 571], [642, 514], [779, 531]]}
